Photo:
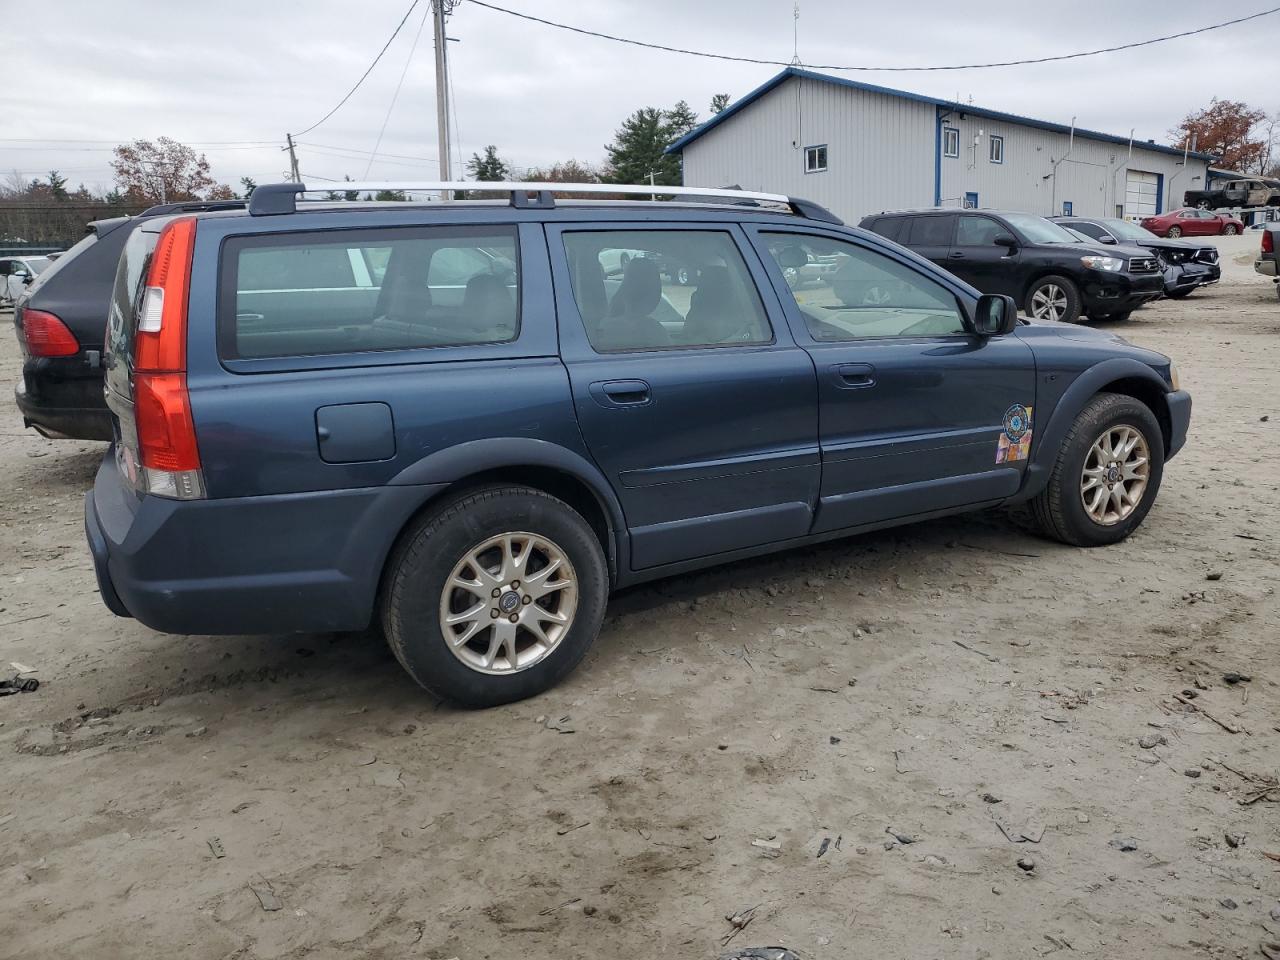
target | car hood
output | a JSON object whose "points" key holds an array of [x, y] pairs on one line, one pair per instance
{"points": [[1160, 243], [1096, 250], [1044, 333]]}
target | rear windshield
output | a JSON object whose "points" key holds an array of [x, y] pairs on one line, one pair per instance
{"points": [[121, 315], [363, 290], [52, 267]]}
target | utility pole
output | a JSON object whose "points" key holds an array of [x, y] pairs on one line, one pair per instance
{"points": [[440, 8], [293, 160]]}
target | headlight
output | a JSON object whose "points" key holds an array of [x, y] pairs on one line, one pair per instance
{"points": [[1174, 380], [1109, 264]]}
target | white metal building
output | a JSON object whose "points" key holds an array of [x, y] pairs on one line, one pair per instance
{"points": [[859, 149]]}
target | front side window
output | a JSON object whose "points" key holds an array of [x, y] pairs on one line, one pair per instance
{"points": [[847, 292], [950, 142], [934, 231], [815, 159], [997, 149], [365, 290], [663, 289], [977, 231]]}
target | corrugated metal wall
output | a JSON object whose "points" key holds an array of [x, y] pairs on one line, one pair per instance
{"points": [[879, 148], [881, 152], [1038, 176]]}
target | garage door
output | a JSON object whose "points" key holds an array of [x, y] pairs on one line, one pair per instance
{"points": [[1141, 194]]}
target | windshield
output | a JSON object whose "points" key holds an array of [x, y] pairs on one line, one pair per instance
{"points": [[1128, 231], [37, 264], [1038, 230]]}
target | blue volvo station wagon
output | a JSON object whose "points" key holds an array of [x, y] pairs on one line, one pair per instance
{"points": [[471, 421]]}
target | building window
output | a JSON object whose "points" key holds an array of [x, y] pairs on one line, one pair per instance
{"points": [[950, 142], [815, 159], [997, 149], [1066, 208], [971, 201]]}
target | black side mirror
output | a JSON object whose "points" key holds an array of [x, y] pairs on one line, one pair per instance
{"points": [[1108, 238], [996, 315], [1006, 241], [26, 279]]}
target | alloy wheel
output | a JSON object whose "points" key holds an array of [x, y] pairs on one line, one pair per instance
{"points": [[1115, 474], [508, 603], [1175, 232], [1049, 302]]}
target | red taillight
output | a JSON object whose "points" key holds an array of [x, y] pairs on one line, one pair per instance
{"points": [[1268, 242], [166, 433], [161, 404], [47, 336]]}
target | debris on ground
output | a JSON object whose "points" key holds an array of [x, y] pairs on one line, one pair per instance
{"points": [[903, 838], [262, 889], [1191, 772], [770, 847], [216, 848], [1213, 575], [1032, 831], [1026, 864], [739, 922], [1233, 678], [823, 846], [1152, 740], [19, 684], [760, 953], [990, 798], [1234, 840], [1124, 844]]}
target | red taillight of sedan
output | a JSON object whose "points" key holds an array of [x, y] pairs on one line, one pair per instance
{"points": [[1268, 241], [47, 336]]}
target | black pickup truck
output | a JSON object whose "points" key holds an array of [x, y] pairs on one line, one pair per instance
{"points": [[1235, 193]]}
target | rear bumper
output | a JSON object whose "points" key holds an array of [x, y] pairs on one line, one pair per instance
{"points": [[61, 407], [1266, 267], [1179, 420], [307, 562]]}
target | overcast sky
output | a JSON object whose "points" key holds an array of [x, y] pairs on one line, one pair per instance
{"points": [[250, 71]]}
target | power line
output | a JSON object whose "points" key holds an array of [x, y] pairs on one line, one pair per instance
{"points": [[362, 153], [396, 96], [395, 34], [829, 66], [205, 143]]}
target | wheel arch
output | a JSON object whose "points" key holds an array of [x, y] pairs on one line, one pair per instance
{"points": [[1120, 375], [1040, 274], [539, 464]]}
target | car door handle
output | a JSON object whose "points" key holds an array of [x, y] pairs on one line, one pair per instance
{"points": [[853, 376], [957, 255], [620, 393]]}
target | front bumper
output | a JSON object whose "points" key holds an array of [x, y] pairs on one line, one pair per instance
{"points": [[307, 562], [1115, 293], [1179, 402]]}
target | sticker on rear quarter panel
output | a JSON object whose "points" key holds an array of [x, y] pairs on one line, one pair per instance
{"points": [[1015, 442]]}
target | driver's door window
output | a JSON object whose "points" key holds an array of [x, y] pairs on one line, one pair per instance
{"points": [[847, 292]]}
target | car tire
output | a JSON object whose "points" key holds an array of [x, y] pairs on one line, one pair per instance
{"points": [[1229, 230], [477, 661], [1174, 233], [1202, 205], [1053, 295], [1081, 472]]}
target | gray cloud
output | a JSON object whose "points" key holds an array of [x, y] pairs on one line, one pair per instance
{"points": [[252, 70]]}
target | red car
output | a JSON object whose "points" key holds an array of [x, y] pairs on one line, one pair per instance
{"points": [[1192, 223]]}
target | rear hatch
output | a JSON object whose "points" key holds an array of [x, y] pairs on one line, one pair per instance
{"points": [[145, 360]]}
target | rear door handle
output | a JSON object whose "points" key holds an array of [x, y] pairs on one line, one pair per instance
{"points": [[620, 393], [957, 255], [853, 376]]}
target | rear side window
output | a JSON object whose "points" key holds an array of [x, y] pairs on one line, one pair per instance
{"points": [[365, 290], [659, 289], [890, 228], [930, 231]]}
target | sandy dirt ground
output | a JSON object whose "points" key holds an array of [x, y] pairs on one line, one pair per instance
{"points": [[823, 701]]}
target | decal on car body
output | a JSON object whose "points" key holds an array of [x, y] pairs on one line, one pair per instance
{"points": [[1015, 442]]}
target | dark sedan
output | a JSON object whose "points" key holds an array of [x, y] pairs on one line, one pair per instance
{"points": [[1187, 265]]}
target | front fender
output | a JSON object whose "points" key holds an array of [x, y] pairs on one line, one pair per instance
{"points": [[1049, 439]]}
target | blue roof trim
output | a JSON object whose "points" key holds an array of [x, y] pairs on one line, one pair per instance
{"points": [[789, 72]]}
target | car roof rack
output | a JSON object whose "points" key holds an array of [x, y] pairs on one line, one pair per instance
{"points": [[274, 199], [193, 206]]}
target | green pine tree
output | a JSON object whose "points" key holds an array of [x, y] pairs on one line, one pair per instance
{"points": [[719, 102], [490, 166]]}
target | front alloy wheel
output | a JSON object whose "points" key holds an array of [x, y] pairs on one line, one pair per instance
{"points": [[1229, 230], [1115, 474], [1053, 298]]}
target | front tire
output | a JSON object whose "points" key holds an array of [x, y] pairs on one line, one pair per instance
{"points": [[1053, 298], [495, 596], [1106, 475]]}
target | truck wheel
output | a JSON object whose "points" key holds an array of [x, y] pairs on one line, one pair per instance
{"points": [[495, 596], [1202, 205], [1229, 230], [1106, 474], [1174, 233], [1054, 298]]}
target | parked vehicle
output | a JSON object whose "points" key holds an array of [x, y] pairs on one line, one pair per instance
{"points": [[1268, 262], [1043, 267], [300, 448], [16, 273], [1185, 265], [1192, 223], [1234, 193], [59, 320]]}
